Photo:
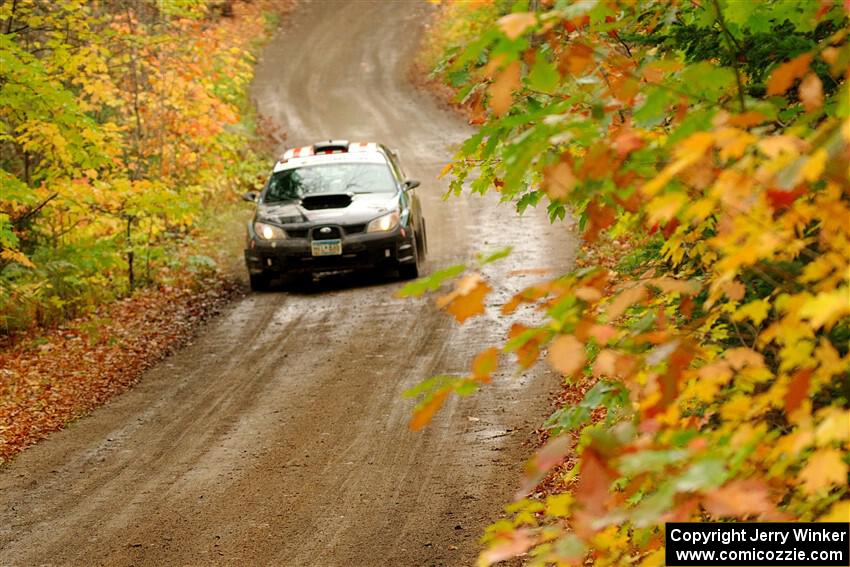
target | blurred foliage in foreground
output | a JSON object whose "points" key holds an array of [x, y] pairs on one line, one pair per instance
{"points": [[714, 137], [121, 122]]}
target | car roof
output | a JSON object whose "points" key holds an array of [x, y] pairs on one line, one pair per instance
{"points": [[332, 151]]}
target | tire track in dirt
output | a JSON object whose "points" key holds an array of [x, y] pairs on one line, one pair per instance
{"points": [[279, 436]]}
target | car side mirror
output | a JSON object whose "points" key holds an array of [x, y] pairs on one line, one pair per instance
{"points": [[410, 184], [251, 196]]}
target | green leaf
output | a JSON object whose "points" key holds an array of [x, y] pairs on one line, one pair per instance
{"points": [[654, 108], [483, 259], [432, 282], [544, 76], [702, 475]]}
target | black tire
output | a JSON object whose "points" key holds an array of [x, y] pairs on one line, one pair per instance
{"points": [[411, 271], [299, 281], [259, 282], [424, 239]]}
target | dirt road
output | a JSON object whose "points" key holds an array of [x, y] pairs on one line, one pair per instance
{"points": [[279, 436]]}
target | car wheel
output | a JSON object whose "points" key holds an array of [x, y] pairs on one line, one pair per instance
{"points": [[424, 239], [299, 281], [411, 271], [259, 282]]}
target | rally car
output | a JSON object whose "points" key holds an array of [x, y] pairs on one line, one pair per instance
{"points": [[335, 206]]}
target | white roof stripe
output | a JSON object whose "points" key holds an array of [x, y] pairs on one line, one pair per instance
{"points": [[322, 159]]}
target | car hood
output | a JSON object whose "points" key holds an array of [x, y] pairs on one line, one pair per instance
{"points": [[363, 208]]}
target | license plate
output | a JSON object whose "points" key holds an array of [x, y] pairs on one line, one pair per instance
{"points": [[327, 247]]}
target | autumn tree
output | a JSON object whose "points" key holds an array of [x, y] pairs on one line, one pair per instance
{"points": [[120, 123], [711, 138]]}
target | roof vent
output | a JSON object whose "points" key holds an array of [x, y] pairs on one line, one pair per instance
{"points": [[331, 146]]}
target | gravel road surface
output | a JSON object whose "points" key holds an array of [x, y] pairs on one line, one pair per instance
{"points": [[278, 436]]}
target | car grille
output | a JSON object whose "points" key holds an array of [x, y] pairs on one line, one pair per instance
{"points": [[326, 232], [354, 228], [296, 232], [335, 231]]}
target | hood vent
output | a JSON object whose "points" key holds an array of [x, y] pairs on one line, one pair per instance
{"points": [[327, 201]]}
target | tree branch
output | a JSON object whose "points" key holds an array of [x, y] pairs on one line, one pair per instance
{"points": [[32, 212], [737, 51]]}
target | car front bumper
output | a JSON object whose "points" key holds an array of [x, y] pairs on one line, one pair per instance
{"points": [[359, 252]]}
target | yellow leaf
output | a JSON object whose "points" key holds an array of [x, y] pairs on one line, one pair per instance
{"points": [[824, 470], [513, 25], [733, 142], [840, 512], [558, 505], [835, 426], [776, 146], [826, 308], [736, 409], [663, 208], [756, 311], [814, 166], [16, 256], [688, 152], [655, 559], [566, 354]]}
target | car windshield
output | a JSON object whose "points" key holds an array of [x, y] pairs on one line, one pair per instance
{"points": [[293, 184]]}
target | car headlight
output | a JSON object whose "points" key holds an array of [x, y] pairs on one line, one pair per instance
{"points": [[268, 231], [384, 223]]}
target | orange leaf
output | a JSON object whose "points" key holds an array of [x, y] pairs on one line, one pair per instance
{"points": [[780, 199], [588, 294], [784, 76], [544, 459], [747, 119], [627, 141], [811, 92], [673, 285], [605, 363], [669, 382], [566, 354], [484, 364], [575, 59], [602, 333], [502, 89], [528, 295], [824, 469], [739, 498], [514, 25], [599, 217], [595, 478], [467, 298], [527, 353], [741, 356], [558, 180], [798, 389], [423, 415], [734, 290], [624, 300], [598, 163], [510, 545]]}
